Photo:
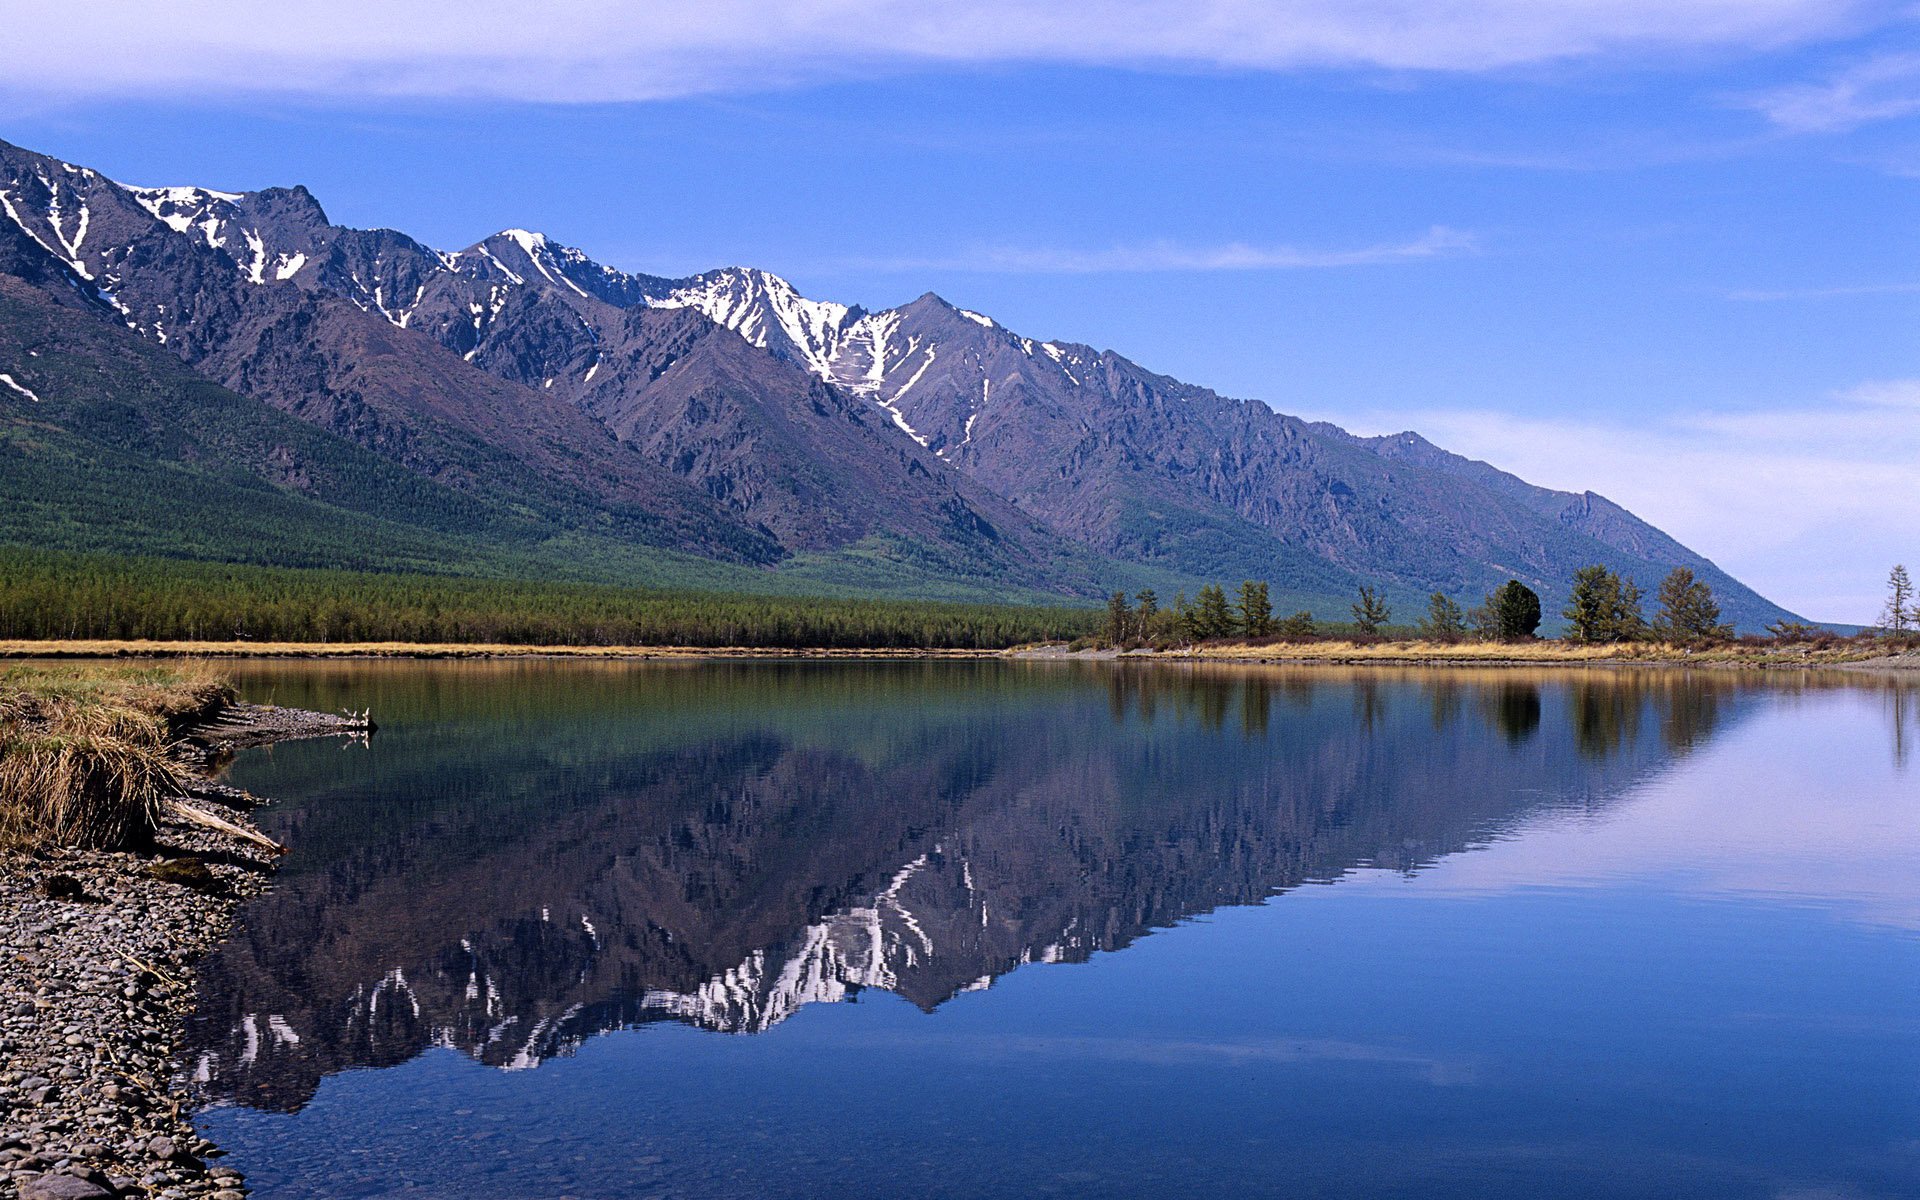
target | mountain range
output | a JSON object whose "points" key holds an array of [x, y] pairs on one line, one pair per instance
{"points": [[230, 375]]}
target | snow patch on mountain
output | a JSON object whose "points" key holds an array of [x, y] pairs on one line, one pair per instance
{"points": [[53, 217], [18, 387], [187, 209], [767, 311], [543, 255]]}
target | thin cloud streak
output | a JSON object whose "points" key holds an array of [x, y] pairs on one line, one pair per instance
{"points": [[1882, 88], [1438, 242], [606, 50]]}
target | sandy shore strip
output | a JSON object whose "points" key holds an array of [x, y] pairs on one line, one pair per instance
{"points": [[1475, 654], [1341, 653], [96, 982]]}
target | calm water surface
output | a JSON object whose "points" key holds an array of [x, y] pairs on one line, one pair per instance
{"points": [[966, 930]]}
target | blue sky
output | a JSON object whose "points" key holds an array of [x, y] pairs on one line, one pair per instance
{"points": [[1669, 252]]}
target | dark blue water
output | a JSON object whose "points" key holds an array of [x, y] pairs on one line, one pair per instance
{"points": [[876, 930]]}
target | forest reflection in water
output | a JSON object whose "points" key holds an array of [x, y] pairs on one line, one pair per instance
{"points": [[532, 853]]}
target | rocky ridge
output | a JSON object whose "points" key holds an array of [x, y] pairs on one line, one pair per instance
{"points": [[730, 416]]}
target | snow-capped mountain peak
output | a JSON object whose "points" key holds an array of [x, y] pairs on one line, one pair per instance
{"points": [[769, 312], [547, 258], [184, 209]]}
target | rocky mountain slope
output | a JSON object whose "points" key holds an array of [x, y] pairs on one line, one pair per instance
{"points": [[729, 417]]}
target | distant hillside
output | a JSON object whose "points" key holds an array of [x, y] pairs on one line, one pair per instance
{"points": [[516, 402]]}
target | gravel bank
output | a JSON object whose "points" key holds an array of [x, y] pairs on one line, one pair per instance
{"points": [[96, 981], [1909, 661]]}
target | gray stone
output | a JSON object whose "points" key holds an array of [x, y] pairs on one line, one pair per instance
{"points": [[63, 1187]]}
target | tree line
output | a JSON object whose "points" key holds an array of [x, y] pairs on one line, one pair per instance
{"points": [[51, 595], [1602, 606], [54, 595]]}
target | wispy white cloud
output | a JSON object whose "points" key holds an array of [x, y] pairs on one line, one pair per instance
{"points": [[1883, 88], [1810, 505], [1438, 242], [602, 50]]}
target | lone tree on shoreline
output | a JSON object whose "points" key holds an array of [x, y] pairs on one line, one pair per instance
{"points": [[1688, 611], [1256, 611], [1119, 618], [1899, 616], [1370, 612], [1510, 613], [1444, 622]]}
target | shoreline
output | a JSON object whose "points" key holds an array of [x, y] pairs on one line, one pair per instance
{"points": [[1344, 654], [1479, 656], [98, 986], [105, 649]]}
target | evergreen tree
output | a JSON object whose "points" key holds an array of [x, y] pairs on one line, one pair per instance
{"points": [[48, 594], [1515, 611], [1603, 607], [1149, 605], [1119, 619], [1215, 619], [1299, 626], [1444, 621], [1784, 630], [1589, 607], [1370, 612], [1629, 620], [1256, 612], [1186, 619], [1899, 615], [1688, 612]]}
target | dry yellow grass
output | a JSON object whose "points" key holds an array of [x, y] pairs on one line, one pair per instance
{"points": [[1531, 653], [94, 793], [84, 748], [1410, 652], [169, 692]]}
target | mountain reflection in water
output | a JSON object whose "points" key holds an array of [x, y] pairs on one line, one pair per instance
{"points": [[530, 854]]}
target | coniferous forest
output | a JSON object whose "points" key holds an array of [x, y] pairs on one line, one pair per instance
{"points": [[53, 595]]}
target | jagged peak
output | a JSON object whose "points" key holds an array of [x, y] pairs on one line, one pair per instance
{"points": [[295, 201], [934, 300], [767, 311], [528, 240], [752, 279], [180, 208], [178, 194]]}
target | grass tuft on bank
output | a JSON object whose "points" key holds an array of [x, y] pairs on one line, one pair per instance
{"points": [[85, 749]]}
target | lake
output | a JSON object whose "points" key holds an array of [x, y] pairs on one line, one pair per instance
{"points": [[1001, 929]]}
